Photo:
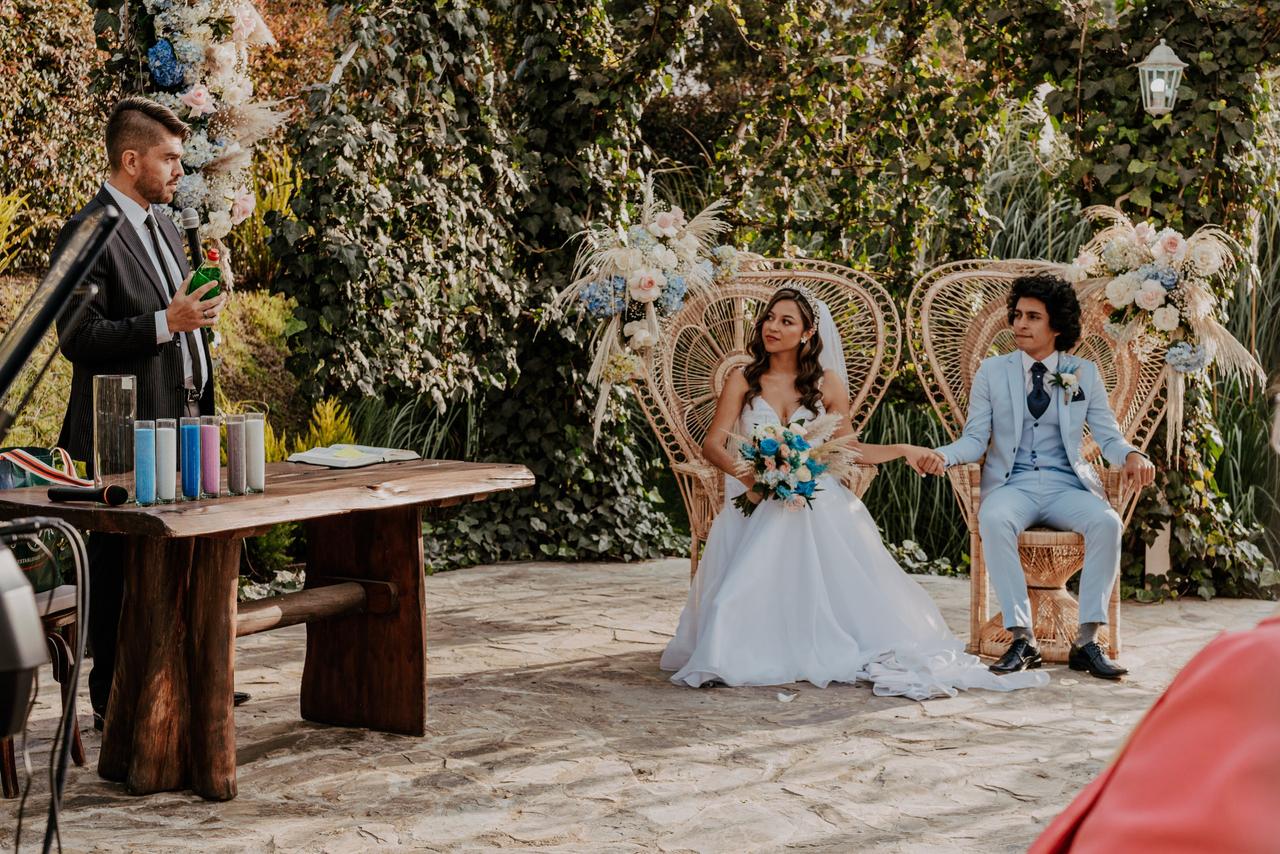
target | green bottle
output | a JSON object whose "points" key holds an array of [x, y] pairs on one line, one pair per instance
{"points": [[209, 272]]}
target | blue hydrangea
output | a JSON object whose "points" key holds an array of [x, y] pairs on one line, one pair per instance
{"points": [[1186, 358], [673, 293], [816, 468], [800, 443], [165, 70], [604, 299], [806, 488], [640, 238], [1168, 277], [1147, 271], [188, 52]]}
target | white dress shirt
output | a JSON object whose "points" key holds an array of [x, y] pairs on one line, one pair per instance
{"points": [[1050, 362], [137, 217]]}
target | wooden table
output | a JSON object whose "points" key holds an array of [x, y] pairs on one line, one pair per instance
{"points": [[170, 723]]}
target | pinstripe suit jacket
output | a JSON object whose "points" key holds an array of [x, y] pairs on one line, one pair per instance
{"points": [[116, 334]]}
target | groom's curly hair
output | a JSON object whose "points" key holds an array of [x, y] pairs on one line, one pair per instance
{"points": [[1059, 300], [808, 369]]}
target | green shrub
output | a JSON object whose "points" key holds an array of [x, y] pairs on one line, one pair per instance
{"points": [[50, 131]]}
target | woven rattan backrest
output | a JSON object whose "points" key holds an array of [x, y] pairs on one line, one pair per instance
{"points": [[957, 316], [701, 343]]}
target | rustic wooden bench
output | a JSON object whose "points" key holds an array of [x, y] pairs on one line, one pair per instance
{"points": [[170, 723]]}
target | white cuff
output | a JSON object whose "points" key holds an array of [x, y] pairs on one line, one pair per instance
{"points": [[163, 335]]}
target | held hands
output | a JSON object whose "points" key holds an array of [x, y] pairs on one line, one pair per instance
{"points": [[925, 460], [189, 312], [1138, 474]]}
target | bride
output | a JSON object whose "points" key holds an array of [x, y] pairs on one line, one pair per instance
{"points": [[784, 595]]}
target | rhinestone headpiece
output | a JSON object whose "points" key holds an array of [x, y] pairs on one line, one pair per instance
{"points": [[802, 290]]}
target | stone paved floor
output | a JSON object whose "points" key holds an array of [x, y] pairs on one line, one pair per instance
{"points": [[552, 729]]}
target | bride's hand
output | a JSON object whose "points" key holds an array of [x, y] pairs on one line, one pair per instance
{"points": [[925, 460]]}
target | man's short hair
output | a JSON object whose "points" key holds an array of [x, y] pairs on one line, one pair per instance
{"points": [[1059, 300], [138, 123]]}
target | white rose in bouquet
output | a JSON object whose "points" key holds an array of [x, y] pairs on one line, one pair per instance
{"points": [[1206, 258], [1122, 289], [1150, 296], [1143, 233], [665, 224], [663, 257], [628, 261], [639, 334], [1165, 319]]}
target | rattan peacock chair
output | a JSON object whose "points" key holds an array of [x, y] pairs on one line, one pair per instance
{"points": [[685, 371], [958, 317]]}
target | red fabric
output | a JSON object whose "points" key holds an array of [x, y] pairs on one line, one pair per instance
{"points": [[1201, 772]]}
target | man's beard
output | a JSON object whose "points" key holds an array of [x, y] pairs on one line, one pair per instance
{"points": [[156, 192]]}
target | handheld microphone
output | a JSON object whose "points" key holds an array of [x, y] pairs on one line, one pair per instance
{"points": [[111, 495], [191, 222]]}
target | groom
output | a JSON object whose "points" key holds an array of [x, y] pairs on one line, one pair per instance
{"points": [[1027, 411]]}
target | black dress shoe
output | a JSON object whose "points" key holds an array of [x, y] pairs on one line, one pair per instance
{"points": [[239, 698], [1091, 659], [99, 720], [1021, 656]]}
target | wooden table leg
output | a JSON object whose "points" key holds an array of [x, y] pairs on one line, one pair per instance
{"points": [[369, 670], [170, 723]]}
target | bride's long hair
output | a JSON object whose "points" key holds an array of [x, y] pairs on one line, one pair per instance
{"points": [[808, 368]]}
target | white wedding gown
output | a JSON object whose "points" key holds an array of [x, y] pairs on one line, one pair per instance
{"points": [[813, 595]]}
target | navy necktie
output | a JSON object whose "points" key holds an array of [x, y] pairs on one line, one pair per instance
{"points": [[1038, 399], [197, 366]]}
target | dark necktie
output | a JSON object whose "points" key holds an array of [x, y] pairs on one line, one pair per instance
{"points": [[1038, 399], [197, 365]]}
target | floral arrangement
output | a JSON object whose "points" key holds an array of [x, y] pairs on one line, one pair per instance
{"points": [[787, 461], [627, 279], [1157, 288], [1067, 378], [198, 68]]}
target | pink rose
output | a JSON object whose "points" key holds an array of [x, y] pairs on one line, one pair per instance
{"points": [[242, 206], [198, 100], [1150, 296], [794, 503], [785, 468], [645, 285], [1170, 247], [769, 463], [678, 216]]}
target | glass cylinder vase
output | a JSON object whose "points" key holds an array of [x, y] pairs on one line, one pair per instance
{"points": [[115, 408]]}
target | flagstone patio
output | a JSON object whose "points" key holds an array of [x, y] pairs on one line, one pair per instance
{"points": [[552, 729]]}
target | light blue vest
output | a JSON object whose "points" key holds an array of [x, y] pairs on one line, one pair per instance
{"points": [[1041, 448]]}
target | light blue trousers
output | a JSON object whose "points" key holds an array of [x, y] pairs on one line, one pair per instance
{"points": [[1055, 500]]}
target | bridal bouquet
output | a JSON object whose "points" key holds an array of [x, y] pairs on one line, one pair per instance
{"points": [[787, 460], [1157, 288]]}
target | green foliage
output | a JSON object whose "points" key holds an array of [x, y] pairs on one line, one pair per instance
{"points": [[49, 130], [252, 356], [906, 506], [400, 254], [12, 234], [275, 180]]}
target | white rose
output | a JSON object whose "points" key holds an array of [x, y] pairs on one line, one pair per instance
{"points": [[1165, 319], [1144, 233], [798, 428], [627, 261], [1122, 289], [1150, 296], [803, 474], [1086, 261], [1075, 274], [663, 257], [1205, 258], [218, 226]]}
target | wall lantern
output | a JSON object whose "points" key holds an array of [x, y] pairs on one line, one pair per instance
{"points": [[1160, 73]]}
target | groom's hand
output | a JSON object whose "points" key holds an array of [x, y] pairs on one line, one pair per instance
{"points": [[1139, 472], [926, 461]]}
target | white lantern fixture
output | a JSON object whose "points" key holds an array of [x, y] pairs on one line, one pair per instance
{"points": [[1160, 73]]}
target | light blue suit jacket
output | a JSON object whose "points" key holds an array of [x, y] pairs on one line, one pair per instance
{"points": [[997, 406]]}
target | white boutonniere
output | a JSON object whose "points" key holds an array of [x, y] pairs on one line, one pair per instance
{"points": [[1066, 379]]}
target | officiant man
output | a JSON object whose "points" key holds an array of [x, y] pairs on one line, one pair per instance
{"points": [[142, 322], [1027, 413]]}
